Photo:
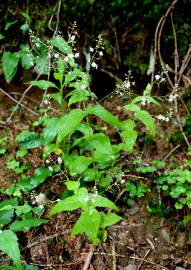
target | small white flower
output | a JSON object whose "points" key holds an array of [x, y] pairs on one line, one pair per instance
{"points": [[57, 200], [94, 65], [163, 118], [46, 101], [172, 97], [56, 55], [83, 87], [127, 84], [47, 161], [41, 206], [40, 198], [59, 160], [100, 53], [143, 101], [122, 181], [73, 38], [76, 55], [91, 49], [66, 59], [157, 77], [50, 168]]}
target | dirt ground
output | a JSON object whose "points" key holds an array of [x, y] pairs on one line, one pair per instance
{"points": [[140, 241]]}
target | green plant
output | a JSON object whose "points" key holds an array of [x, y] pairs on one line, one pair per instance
{"points": [[81, 149]]}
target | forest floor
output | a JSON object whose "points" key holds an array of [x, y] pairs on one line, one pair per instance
{"points": [[140, 241]]}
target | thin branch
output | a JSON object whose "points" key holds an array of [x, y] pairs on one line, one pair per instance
{"points": [[21, 99], [16, 101], [176, 55], [89, 257]]}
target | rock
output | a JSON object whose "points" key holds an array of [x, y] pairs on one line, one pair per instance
{"points": [[133, 210], [179, 268], [181, 240], [130, 267]]}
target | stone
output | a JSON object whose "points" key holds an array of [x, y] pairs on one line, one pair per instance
{"points": [[179, 268]]}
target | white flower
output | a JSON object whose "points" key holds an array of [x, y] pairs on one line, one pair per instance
{"points": [[66, 59], [47, 161], [56, 55], [91, 49], [57, 200], [83, 87], [41, 206], [172, 97], [73, 38], [127, 84], [40, 198], [59, 160], [163, 118], [50, 168], [122, 181], [157, 77], [76, 55], [94, 65], [100, 53], [143, 101]]}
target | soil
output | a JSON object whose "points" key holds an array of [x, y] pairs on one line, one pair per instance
{"points": [[140, 241]]}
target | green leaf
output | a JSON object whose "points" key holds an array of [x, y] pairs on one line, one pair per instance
{"points": [[64, 125], [61, 44], [7, 210], [41, 174], [103, 151], [61, 67], [42, 84], [88, 223], [69, 122], [28, 139], [129, 139], [57, 97], [147, 120], [10, 63], [9, 24], [42, 66], [109, 219], [72, 185], [79, 96], [132, 107], [101, 201], [79, 165], [9, 245], [105, 115], [26, 56], [68, 204], [26, 224]]}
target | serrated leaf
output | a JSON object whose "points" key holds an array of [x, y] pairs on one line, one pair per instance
{"points": [[42, 84], [61, 44], [42, 66], [9, 245], [109, 219], [79, 96], [88, 223], [26, 224], [10, 63], [147, 120]]}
